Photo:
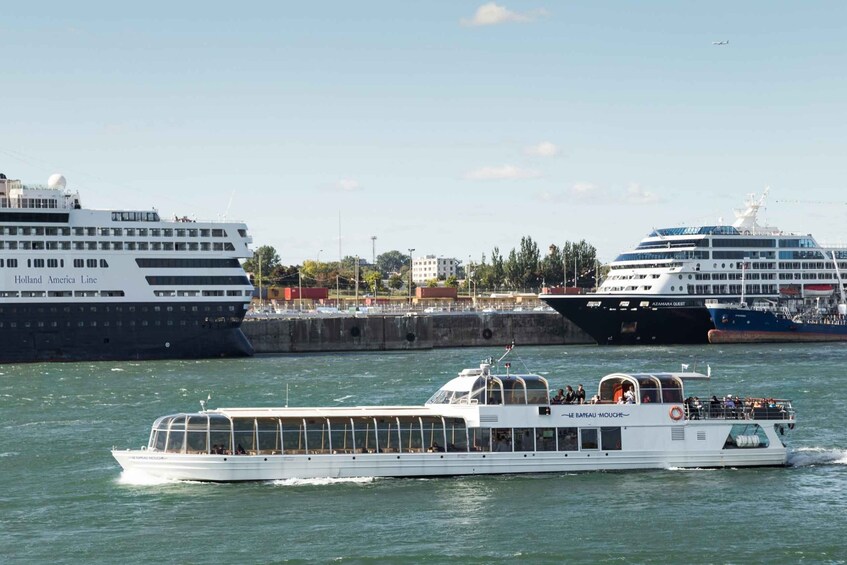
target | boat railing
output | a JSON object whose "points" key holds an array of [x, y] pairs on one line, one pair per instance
{"points": [[750, 409]]}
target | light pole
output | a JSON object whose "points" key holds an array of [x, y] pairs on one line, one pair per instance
{"points": [[411, 249], [319, 255], [373, 250]]}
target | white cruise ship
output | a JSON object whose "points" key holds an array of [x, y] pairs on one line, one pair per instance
{"points": [[656, 293], [83, 284]]}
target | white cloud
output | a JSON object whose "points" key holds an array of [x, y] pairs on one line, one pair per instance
{"points": [[543, 149], [347, 185], [584, 191], [636, 194], [492, 14], [506, 172]]}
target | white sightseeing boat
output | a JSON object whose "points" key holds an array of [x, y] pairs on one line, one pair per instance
{"points": [[477, 423]]}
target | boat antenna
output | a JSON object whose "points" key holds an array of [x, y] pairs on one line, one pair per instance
{"points": [[286, 395]]}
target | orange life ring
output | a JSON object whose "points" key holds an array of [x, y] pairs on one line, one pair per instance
{"points": [[676, 413]]}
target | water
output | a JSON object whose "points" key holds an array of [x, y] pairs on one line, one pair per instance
{"points": [[64, 498]]}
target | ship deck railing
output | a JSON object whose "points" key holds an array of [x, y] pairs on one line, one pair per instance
{"points": [[778, 410]]}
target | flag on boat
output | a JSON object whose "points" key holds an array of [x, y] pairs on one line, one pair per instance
{"points": [[684, 367]]}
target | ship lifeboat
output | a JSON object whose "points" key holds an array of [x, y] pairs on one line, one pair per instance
{"points": [[789, 290], [818, 289]]}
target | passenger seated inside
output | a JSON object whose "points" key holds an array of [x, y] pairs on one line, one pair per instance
{"points": [[629, 396], [240, 450]]}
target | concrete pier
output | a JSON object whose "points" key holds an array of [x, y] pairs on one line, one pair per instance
{"points": [[404, 332]]}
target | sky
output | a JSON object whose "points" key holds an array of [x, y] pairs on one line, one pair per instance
{"points": [[450, 127]]}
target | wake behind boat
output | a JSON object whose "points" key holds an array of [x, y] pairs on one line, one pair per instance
{"points": [[480, 422]]}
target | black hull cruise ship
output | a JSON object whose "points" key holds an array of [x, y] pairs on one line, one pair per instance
{"points": [[80, 284], [657, 293]]}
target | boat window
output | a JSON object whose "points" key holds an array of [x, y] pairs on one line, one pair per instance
{"points": [[388, 440], [536, 390], [365, 435], [480, 439], [524, 439], [341, 435], [478, 391], [671, 389], [411, 437], [198, 426], [568, 439], [610, 438], [268, 432], [588, 437], [244, 435], [501, 439], [495, 392], [433, 432], [649, 389], [457, 434], [545, 439], [317, 435], [612, 389], [293, 436], [514, 391], [220, 434], [176, 435]]}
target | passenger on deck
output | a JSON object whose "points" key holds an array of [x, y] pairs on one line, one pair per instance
{"points": [[629, 396], [559, 398], [580, 394], [595, 399], [570, 395], [714, 407]]}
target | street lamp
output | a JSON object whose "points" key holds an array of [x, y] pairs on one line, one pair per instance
{"points": [[411, 249]]}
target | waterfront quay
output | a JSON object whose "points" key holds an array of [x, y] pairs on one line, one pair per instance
{"points": [[409, 331]]}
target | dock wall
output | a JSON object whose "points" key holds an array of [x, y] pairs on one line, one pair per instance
{"points": [[401, 332]]}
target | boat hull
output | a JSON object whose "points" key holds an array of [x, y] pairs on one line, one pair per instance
{"points": [[126, 331], [754, 326], [223, 468], [642, 320]]}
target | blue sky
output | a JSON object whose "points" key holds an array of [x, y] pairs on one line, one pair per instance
{"points": [[448, 127]]}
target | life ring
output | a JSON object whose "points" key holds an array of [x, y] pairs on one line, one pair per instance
{"points": [[676, 413], [487, 333]]}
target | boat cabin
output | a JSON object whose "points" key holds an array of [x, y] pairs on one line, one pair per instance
{"points": [[479, 386], [663, 388]]}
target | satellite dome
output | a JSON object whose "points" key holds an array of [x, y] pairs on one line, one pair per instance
{"points": [[57, 181]]}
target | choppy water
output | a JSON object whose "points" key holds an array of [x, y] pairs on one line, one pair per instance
{"points": [[65, 500]]}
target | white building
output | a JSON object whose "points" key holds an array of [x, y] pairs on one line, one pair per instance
{"points": [[431, 267]]}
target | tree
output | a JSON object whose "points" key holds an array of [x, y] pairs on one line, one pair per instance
{"points": [[432, 283], [264, 260], [395, 281], [452, 281], [373, 280], [391, 261]]}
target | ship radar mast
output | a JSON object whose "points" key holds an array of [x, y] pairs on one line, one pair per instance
{"points": [[745, 220]]}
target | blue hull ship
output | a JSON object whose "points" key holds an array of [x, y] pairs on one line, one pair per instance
{"points": [[739, 324]]}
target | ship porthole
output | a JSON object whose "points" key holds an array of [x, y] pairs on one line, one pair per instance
{"points": [[487, 333], [355, 331]]}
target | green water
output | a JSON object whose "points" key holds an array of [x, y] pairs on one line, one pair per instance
{"points": [[64, 498]]}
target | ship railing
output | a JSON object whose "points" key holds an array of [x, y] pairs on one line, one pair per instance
{"points": [[749, 409]]}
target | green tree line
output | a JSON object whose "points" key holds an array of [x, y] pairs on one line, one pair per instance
{"points": [[523, 268]]}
